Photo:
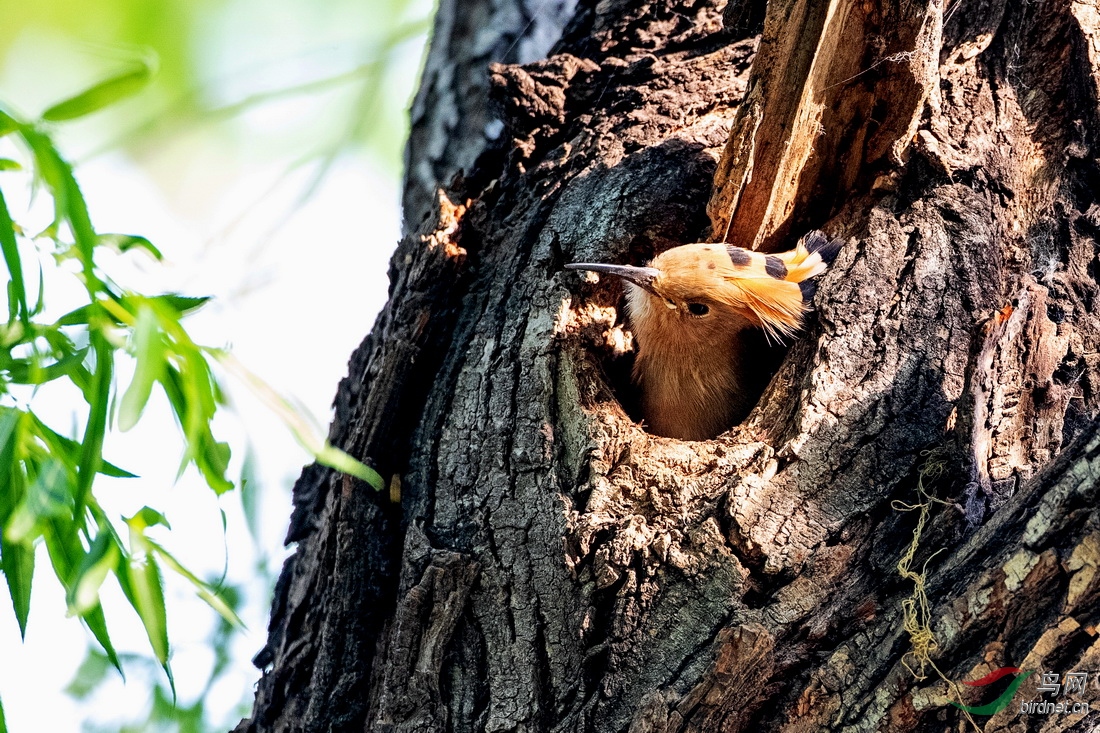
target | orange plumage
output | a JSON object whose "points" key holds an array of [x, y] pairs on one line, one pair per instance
{"points": [[689, 310]]}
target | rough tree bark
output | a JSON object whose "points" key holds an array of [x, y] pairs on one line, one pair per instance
{"points": [[549, 565]]}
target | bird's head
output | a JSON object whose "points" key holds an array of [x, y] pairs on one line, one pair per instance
{"points": [[696, 291]]}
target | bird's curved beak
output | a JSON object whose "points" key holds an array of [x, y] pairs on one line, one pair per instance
{"points": [[643, 277]]}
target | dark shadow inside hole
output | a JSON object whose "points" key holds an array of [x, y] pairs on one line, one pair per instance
{"points": [[619, 369], [765, 358]]}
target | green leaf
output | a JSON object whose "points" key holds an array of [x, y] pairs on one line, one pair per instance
{"points": [[10, 249], [147, 517], [149, 352], [64, 549], [3, 720], [127, 242], [83, 594], [174, 391], [147, 597], [214, 463], [49, 496], [205, 590], [66, 552], [97, 624], [9, 423], [8, 124], [91, 456], [295, 419], [7, 164], [333, 457], [18, 565], [191, 395], [250, 495], [83, 315], [102, 94], [69, 203], [110, 469], [178, 305], [198, 385], [13, 302], [68, 446], [40, 305], [12, 333], [11, 472], [75, 210], [181, 304], [89, 676], [22, 371]]}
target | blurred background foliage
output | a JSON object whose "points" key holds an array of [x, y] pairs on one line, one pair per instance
{"points": [[263, 159], [224, 58]]}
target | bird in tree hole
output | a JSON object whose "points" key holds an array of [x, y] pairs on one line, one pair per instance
{"points": [[689, 309]]}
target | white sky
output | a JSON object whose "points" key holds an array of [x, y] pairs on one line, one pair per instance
{"points": [[296, 287]]}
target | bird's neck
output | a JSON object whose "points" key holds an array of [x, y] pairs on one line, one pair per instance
{"points": [[692, 387]]}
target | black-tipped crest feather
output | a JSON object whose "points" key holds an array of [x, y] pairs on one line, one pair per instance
{"points": [[826, 248]]}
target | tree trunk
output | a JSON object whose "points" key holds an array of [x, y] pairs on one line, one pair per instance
{"points": [[912, 503]]}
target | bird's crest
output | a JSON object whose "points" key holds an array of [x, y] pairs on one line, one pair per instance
{"points": [[778, 288], [770, 290]]}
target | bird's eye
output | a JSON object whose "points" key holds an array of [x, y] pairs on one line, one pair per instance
{"points": [[698, 309]]}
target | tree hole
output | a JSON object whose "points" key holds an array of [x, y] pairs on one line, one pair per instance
{"points": [[616, 348]]}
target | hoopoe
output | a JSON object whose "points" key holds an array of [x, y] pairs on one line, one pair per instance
{"points": [[689, 309]]}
